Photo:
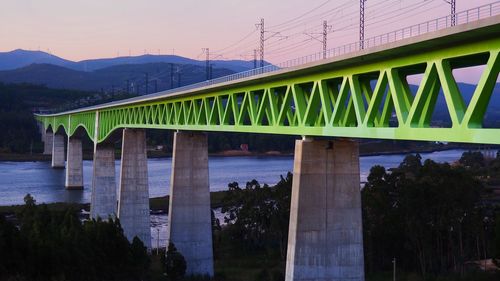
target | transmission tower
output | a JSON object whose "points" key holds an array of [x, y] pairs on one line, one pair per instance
{"points": [[325, 37], [254, 58], [453, 14], [262, 39], [207, 62], [362, 24]]}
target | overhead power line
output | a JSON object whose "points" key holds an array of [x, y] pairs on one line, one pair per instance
{"points": [[304, 14]]}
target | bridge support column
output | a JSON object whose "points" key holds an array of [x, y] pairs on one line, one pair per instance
{"points": [[103, 198], [58, 151], [74, 164], [190, 220], [133, 200], [47, 138], [325, 240]]}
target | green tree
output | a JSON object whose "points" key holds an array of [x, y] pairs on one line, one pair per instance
{"points": [[140, 257], [258, 216], [424, 214], [56, 245], [497, 237], [175, 264], [473, 160]]}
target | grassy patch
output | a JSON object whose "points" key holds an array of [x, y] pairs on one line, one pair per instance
{"points": [[161, 203], [155, 204], [52, 207]]}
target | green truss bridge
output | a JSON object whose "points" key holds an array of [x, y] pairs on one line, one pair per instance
{"points": [[353, 93], [364, 94]]}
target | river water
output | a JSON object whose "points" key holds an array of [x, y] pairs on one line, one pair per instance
{"points": [[47, 184]]}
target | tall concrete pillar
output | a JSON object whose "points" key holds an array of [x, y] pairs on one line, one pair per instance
{"points": [[189, 215], [103, 198], [74, 164], [47, 138], [325, 240], [133, 199], [58, 151]]}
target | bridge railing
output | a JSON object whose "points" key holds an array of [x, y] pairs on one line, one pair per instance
{"points": [[462, 17]]}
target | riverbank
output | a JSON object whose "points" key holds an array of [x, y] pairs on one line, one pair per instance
{"points": [[157, 204], [366, 149]]}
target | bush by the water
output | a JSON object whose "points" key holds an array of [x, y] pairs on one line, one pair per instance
{"points": [[431, 217], [55, 245]]}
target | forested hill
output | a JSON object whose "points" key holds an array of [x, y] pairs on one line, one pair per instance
{"points": [[19, 101], [123, 78], [21, 58]]}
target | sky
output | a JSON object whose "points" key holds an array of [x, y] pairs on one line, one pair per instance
{"points": [[87, 29]]}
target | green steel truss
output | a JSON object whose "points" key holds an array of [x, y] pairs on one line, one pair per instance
{"points": [[70, 123], [363, 100]]}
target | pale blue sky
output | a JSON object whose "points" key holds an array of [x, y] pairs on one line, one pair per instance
{"points": [[84, 29]]}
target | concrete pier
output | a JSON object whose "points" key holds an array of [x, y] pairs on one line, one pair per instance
{"points": [[190, 225], [133, 199], [58, 151], [103, 198], [74, 164], [325, 240], [47, 138]]}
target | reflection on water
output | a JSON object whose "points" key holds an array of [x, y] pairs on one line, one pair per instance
{"points": [[47, 184]]}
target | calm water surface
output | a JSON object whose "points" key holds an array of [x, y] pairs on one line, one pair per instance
{"points": [[47, 184]]}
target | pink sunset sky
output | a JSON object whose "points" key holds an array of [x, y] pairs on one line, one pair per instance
{"points": [[86, 29]]}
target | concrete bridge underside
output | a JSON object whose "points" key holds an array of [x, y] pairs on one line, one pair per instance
{"points": [[335, 98]]}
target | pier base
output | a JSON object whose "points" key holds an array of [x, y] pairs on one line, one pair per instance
{"points": [[190, 221], [74, 164], [58, 160], [325, 240], [103, 198], [133, 199], [47, 138]]}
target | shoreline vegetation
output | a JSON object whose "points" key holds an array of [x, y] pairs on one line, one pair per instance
{"points": [[156, 204], [417, 207]]}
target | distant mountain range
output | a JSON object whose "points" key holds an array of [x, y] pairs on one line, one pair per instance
{"points": [[123, 78], [21, 58]]}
